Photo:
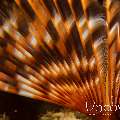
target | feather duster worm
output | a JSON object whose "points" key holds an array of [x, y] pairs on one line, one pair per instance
{"points": [[62, 51]]}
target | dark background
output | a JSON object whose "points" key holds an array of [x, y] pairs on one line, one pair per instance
{"points": [[22, 108]]}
